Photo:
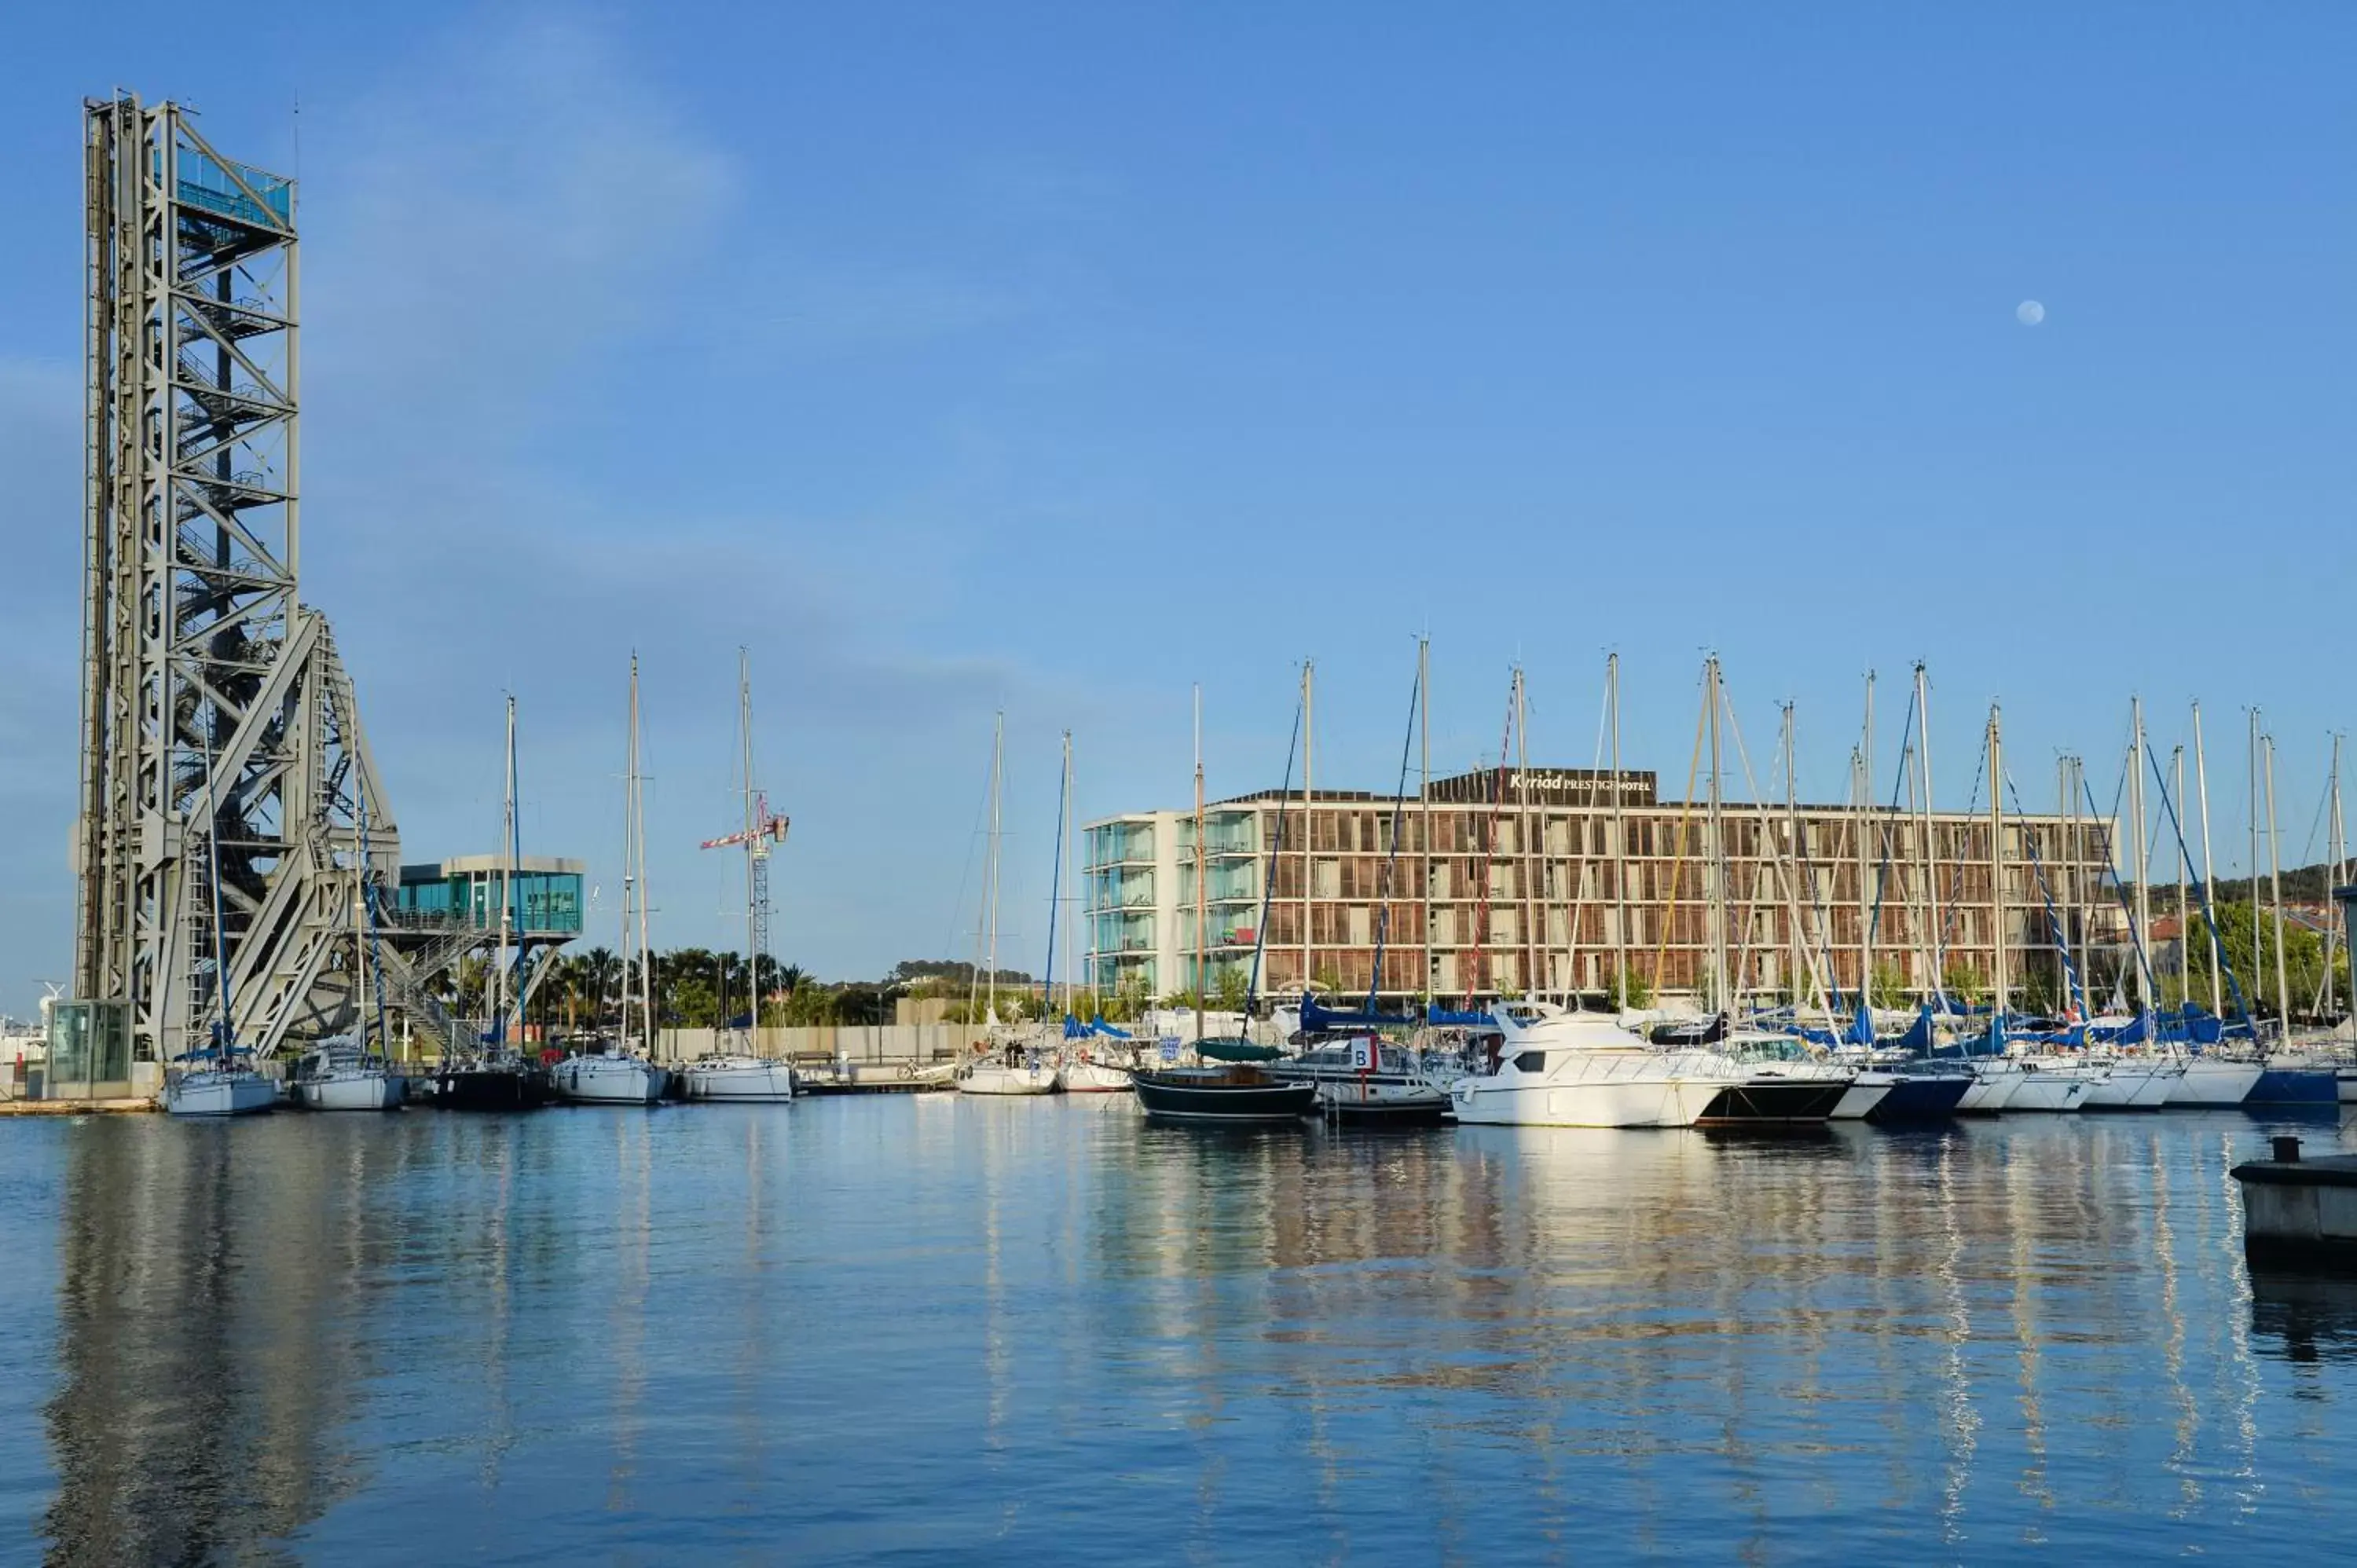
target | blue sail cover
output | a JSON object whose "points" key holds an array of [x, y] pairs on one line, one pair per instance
{"points": [[1861, 1028], [1448, 1017], [1918, 1036], [1315, 1017]]}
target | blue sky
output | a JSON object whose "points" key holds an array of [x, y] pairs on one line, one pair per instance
{"points": [[1059, 357]]}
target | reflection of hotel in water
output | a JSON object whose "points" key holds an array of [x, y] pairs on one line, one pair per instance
{"points": [[1551, 913]]}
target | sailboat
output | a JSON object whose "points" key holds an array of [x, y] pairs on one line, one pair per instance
{"points": [[1079, 1069], [341, 1072], [1021, 1068], [224, 1087], [1236, 1090], [496, 1077], [746, 1075], [617, 1075]]}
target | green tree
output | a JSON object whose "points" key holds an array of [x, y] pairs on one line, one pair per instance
{"points": [[1639, 990], [1890, 988], [1964, 983]]}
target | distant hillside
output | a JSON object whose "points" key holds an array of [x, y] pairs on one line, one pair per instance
{"points": [[2308, 885]]}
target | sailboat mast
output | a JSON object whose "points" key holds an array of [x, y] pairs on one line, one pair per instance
{"points": [[1865, 871], [1719, 996], [637, 807], [997, 790], [2274, 890], [1619, 839], [753, 849], [1202, 866], [1424, 793], [1802, 958], [1056, 883], [1064, 902], [628, 943], [507, 886], [1308, 811], [1531, 978], [1931, 859], [2142, 944], [2184, 920], [2066, 808], [1996, 863], [2209, 870], [2338, 851]]}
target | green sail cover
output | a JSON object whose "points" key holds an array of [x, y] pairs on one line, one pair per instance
{"points": [[1232, 1050]]}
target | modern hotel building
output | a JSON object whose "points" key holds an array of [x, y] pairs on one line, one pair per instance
{"points": [[1505, 882]]}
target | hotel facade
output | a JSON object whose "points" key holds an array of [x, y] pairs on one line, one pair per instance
{"points": [[1541, 881]]}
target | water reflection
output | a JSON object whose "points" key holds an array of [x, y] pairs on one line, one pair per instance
{"points": [[1008, 1330]]}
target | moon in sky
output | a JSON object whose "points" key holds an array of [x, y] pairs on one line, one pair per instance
{"points": [[2030, 313]]}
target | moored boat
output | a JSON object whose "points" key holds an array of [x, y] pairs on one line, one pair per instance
{"points": [[597, 1077], [1022, 1077], [1923, 1093], [1366, 1080], [225, 1090], [2216, 1082], [1230, 1093], [503, 1082], [746, 1079], [342, 1074]]}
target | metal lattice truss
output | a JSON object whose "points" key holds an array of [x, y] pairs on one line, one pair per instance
{"points": [[219, 725]]}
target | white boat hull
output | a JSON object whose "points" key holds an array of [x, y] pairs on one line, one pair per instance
{"points": [[2344, 1084], [352, 1091], [997, 1078], [1632, 1103], [745, 1079], [1993, 1088], [2050, 1089], [2134, 1086], [609, 1080], [219, 1094], [1094, 1077], [1864, 1093], [2213, 1081]]}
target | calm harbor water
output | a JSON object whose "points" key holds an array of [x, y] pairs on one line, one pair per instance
{"points": [[889, 1329]]}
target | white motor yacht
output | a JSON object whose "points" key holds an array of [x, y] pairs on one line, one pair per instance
{"points": [[1583, 1069], [340, 1074], [598, 1079], [739, 1078]]}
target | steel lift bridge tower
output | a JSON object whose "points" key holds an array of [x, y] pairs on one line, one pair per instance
{"points": [[219, 728]]}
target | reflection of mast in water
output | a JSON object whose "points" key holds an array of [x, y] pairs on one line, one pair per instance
{"points": [[2173, 1318], [2022, 1183], [1963, 1423], [630, 1334]]}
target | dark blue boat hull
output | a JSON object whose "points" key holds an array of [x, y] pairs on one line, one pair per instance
{"points": [[2294, 1086]]}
